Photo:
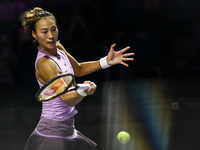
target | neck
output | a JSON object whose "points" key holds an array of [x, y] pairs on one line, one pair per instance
{"points": [[51, 52]]}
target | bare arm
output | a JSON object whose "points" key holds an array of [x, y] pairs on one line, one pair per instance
{"points": [[113, 58], [84, 68], [80, 69], [47, 69]]}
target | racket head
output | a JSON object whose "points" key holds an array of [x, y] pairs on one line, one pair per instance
{"points": [[55, 87]]}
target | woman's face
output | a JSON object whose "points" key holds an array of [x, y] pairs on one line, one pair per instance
{"points": [[46, 34]]}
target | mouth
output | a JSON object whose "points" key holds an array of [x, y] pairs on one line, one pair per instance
{"points": [[51, 42]]}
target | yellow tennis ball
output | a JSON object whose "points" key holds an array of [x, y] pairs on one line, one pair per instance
{"points": [[123, 137]]}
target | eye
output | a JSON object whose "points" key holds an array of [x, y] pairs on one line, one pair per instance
{"points": [[54, 29], [44, 31]]}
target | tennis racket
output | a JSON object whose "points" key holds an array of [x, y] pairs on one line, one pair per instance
{"points": [[57, 86]]}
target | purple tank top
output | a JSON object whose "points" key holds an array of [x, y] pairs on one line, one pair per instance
{"points": [[56, 109]]}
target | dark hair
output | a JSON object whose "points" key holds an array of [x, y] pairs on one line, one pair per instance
{"points": [[29, 18]]}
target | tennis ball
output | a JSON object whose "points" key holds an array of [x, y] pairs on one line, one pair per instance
{"points": [[123, 137]]}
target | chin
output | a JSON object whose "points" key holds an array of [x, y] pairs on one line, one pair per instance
{"points": [[52, 47]]}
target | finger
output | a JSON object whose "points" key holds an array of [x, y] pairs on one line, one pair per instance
{"points": [[128, 54], [93, 84], [127, 59], [125, 64], [113, 46], [125, 49]]}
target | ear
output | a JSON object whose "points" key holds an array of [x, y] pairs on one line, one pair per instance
{"points": [[34, 34]]}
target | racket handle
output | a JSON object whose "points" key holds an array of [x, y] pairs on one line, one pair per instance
{"points": [[83, 86]]}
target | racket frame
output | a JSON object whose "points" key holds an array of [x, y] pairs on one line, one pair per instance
{"points": [[73, 82]]}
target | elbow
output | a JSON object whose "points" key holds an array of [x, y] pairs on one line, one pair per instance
{"points": [[78, 75], [70, 104], [71, 98], [78, 71]]}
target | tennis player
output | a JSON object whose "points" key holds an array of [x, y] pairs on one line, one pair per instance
{"points": [[55, 129]]}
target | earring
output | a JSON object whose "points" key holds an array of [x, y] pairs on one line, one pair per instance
{"points": [[35, 42]]}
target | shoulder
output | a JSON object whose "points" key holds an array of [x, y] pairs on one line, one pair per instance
{"points": [[45, 62], [46, 69]]}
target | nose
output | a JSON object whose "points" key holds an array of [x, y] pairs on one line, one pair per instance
{"points": [[51, 35]]}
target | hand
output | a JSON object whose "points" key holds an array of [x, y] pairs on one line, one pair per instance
{"points": [[118, 57], [59, 45], [91, 89]]}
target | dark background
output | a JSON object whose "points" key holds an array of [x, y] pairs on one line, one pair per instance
{"points": [[164, 77]]}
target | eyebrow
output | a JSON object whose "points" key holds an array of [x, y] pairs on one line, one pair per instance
{"points": [[47, 28], [43, 29]]}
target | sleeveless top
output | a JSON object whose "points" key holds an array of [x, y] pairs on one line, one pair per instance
{"points": [[56, 109]]}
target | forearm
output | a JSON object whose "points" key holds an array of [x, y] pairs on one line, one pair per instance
{"points": [[81, 69], [72, 98], [86, 68]]}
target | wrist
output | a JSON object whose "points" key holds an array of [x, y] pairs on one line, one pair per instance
{"points": [[103, 63], [81, 92]]}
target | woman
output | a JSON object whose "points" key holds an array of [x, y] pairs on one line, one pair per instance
{"points": [[55, 130]]}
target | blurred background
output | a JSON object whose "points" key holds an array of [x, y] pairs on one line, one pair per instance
{"points": [[156, 99]]}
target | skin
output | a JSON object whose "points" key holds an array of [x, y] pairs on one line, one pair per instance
{"points": [[47, 36]]}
